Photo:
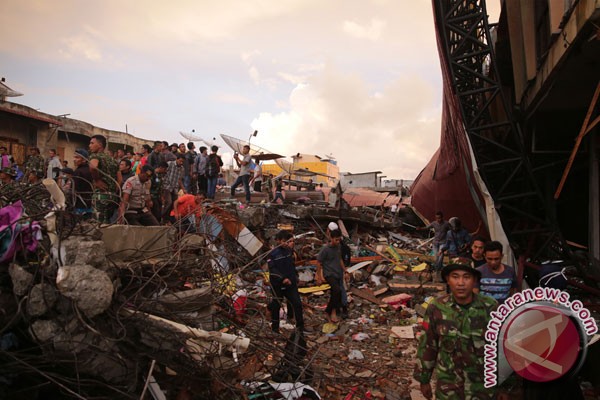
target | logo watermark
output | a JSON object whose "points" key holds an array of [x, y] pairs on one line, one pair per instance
{"points": [[540, 333]]}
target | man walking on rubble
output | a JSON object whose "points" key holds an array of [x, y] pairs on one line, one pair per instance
{"points": [[457, 239], [105, 172], [346, 254], [453, 341], [440, 228], [244, 176], [284, 281], [332, 270], [477, 245]]}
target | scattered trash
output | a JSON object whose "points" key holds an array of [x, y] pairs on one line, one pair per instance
{"points": [[356, 355], [359, 337]]}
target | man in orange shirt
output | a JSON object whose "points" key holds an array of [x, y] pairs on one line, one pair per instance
{"points": [[187, 210]]}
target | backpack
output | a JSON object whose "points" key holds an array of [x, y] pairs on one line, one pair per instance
{"points": [[212, 167]]}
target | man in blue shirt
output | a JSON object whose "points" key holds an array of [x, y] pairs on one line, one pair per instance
{"points": [[498, 280], [283, 279]]}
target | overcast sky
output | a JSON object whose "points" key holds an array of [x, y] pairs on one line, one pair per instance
{"points": [[356, 79]]}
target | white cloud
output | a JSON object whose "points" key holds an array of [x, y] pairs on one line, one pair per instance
{"points": [[373, 31], [387, 130], [81, 46]]}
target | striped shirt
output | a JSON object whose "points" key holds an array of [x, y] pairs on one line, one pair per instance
{"points": [[173, 176], [497, 286]]}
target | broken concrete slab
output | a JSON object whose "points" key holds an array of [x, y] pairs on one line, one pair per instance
{"points": [[90, 288], [44, 330], [42, 298], [124, 242], [21, 279], [252, 217], [77, 251]]}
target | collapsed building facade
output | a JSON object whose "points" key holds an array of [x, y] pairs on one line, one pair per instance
{"points": [[519, 146]]}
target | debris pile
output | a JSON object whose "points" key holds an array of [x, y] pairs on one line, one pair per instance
{"points": [[119, 311]]}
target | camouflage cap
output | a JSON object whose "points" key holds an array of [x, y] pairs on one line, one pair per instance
{"points": [[462, 267]]}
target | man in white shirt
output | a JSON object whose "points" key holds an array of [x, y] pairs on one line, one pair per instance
{"points": [[244, 176]]}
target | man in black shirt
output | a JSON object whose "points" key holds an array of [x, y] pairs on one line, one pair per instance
{"points": [[82, 183]]}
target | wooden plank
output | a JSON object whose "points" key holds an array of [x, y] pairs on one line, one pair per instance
{"points": [[417, 285], [368, 295], [312, 289]]}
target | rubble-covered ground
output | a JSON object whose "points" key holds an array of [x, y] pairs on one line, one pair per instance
{"points": [[115, 312]]}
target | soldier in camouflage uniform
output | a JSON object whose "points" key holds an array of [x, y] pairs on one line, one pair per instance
{"points": [[105, 172], [453, 342], [35, 163]]}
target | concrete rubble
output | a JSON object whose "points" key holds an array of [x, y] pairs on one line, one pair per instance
{"points": [[113, 312]]}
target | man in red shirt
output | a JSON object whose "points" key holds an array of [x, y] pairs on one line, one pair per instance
{"points": [[187, 210]]}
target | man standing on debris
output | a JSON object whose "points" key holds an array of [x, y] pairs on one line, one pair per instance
{"points": [[188, 164], [244, 176], [284, 281], [199, 169], [440, 229], [278, 190], [136, 202], [167, 151], [212, 171], [172, 184], [105, 172], [257, 178], [156, 189], [54, 165], [498, 280], [126, 170], [453, 341], [332, 270], [35, 162], [156, 156]]}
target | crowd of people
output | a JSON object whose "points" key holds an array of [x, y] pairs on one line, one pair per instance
{"points": [[152, 186], [144, 187]]}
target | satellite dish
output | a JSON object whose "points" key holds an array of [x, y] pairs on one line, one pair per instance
{"points": [[194, 137], [8, 92]]}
